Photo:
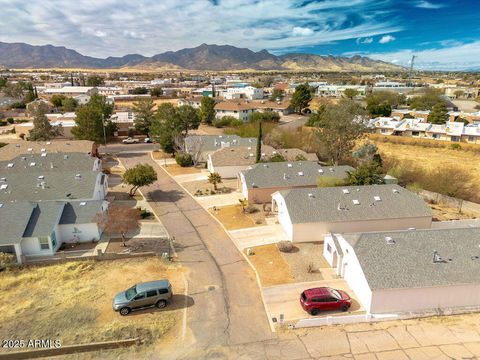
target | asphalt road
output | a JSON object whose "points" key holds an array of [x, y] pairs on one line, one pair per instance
{"points": [[119, 147], [228, 309]]}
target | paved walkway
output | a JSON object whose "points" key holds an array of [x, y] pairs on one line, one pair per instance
{"points": [[259, 235], [210, 201]]}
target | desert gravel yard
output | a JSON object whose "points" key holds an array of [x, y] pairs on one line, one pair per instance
{"points": [[307, 263], [72, 302]]}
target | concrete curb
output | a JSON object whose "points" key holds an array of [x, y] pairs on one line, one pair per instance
{"points": [[257, 277]]}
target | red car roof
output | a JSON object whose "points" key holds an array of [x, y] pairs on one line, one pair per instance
{"points": [[321, 291]]}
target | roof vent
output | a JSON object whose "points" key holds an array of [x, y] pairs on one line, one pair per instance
{"points": [[41, 177], [389, 240], [395, 191], [30, 149], [3, 186], [289, 165], [32, 164], [346, 191], [300, 173], [3, 179], [249, 148], [274, 152], [320, 171], [332, 169], [265, 165], [356, 202], [24, 158], [377, 198], [436, 257], [65, 157], [311, 196], [1, 205], [78, 176], [43, 150], [44, 154], [263, 154], [10, 165], [48, 142], [251, 155], [83, 203]]}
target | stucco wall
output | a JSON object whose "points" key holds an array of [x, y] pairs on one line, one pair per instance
{"points": [[80, 232], [316, 231], [283, 215], [418, 299]]}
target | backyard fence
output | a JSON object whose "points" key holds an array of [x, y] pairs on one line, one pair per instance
{"points": [[459, 204]]}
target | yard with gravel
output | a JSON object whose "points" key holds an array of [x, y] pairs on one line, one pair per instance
{"points": [[72, 302]]}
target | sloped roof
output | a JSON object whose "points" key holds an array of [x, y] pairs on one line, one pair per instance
{"points": [[44, 218], [336, 204], [21, 147], [14, 219]]}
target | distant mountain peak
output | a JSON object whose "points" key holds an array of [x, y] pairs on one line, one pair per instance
{"points": [[203, 57]]}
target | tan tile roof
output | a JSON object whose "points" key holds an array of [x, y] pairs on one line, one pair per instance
{"points": [[234, 105], [19, 147]]}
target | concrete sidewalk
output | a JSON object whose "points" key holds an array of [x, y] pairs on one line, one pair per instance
{"points": [[208, 202], [259, 235]]}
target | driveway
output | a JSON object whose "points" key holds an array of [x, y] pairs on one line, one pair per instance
{"points": [[284, 299], [228, 306], [259, 235]]}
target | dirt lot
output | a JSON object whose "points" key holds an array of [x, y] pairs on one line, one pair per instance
{"points": [[72, 301], [160, 155], [138, 245], [175, 169], [203, 187], [270, 265], [445, 213], [234, 218]]}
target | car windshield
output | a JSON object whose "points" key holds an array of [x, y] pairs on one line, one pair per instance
{"points": [[130, 293], [336, 294]]}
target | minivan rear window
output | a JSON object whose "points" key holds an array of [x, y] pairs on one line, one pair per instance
{"points": [[303, 296]]}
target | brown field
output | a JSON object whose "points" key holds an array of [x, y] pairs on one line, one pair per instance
{"points": [[157, 102], [270, 265], [72, 301], [233, 218], [175, 169]]}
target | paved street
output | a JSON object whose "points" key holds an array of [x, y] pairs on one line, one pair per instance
{"points": [[228, 308]]}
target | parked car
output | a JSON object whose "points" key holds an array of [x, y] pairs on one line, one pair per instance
{"points": [[148, 140], [130, 140], [153, 293], [324, 298]]}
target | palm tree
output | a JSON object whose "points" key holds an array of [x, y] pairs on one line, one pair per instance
{"points": [[243, 203], [214, 178]]}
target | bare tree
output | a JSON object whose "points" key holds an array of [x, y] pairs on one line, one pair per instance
{"points": [[118, 220], [195, 144]]}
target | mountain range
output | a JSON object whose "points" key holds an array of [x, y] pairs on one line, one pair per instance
{"points": [[203, 57]]}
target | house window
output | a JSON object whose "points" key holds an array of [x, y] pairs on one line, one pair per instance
{"points": [[44, 244], [471, 138], [329, 248], [455, 138], [435, 136], [383, 130], [415, 133]]}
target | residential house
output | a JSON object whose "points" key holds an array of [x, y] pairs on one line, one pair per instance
{"points": [[230, 161], [309, 214], [200, 146], [238, 109], [410, 270], [259, 182]]}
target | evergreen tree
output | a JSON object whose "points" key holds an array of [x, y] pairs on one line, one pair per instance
{"points": [[259, 143], [91, 118], [207, 110], [144, 113], [438, 114], [301, 97], [42, 129]]}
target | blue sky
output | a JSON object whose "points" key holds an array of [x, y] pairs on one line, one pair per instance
{"points": [[444, 34]]}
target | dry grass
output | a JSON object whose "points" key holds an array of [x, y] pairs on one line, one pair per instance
{"points": [[160, 155], [72, 301], [270, 265], [445, 213], [233, 217], [225, 187], [175, 169], [120, 104]]}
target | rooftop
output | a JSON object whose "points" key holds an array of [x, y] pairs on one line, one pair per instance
{"points": [[353, 203], [215, 142], [14, 219], [407, 259], [21, 147], [47, 162]]}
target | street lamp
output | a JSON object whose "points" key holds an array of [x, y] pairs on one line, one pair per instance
{"points": [[104, 132]]}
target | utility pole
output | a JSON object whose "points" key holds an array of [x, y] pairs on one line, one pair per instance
{"points": [[411, 70]]}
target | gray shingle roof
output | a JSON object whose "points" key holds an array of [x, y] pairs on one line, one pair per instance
{"points": [[50, 162], [332, 204], [296, 173], [27, 186], [81, 212], [13, 221], [15, 148], [214, 142], [44, 218], [409, 262]]}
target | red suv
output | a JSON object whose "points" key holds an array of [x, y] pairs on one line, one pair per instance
{"points": [[324, 298]]}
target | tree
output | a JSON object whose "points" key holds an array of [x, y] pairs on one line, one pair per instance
{"points": [[243, 203], [42, 129], [3, 82], [140, 91], [380, 103], [214, 179], [350, 93], [259, 143], [426, 101], [186, 119], [163, 127], [138, 176], [458, 93], [207, 110], [301, 97], [143, 110], [277, 158], [265, 116], [69, 104], [438, 114], [90, 117], [119, 220], [157, 91], [462, 119], [369, 173], [277, 94], [339, 126], [57, 100], [95, 80]]}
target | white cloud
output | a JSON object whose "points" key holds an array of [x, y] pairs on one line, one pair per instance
{"points": [[386, 39], [367, 40], [428, 5], [451, 58], [302, 31], [149, 27]]}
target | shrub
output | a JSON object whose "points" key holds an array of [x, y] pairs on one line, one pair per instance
{"points": [[310, 268], [3, 123], [184, 159], [145, 214], [277, 158], [456, 146], [285, 246], [250, 209], [6, 260], [10, 120], [224, 121]]}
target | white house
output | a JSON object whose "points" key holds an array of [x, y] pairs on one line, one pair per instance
{"points": [[308, 214], [237, 109], [247, 92], [409, 271]]}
